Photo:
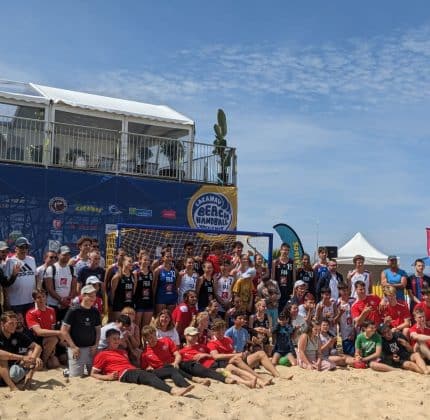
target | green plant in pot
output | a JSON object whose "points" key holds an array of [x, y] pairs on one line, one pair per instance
{"points": [[221, 148], [174, 151]]}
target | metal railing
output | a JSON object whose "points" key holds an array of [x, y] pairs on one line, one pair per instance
{"points": [[36, 142]]}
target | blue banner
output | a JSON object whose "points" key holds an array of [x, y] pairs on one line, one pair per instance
{"points": [[50, 205], [289, 236]]}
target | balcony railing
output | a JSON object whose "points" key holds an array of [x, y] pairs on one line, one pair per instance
{"points": [[36, 142]]}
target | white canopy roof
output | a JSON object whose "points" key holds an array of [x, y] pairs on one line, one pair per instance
{"points": [[358, 244], [31, 92]]}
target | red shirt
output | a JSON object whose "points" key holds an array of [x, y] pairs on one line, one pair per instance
{"points": [[183, 314], [109, 361], [398, 313], [159, 355], [44, 319], [216, 261], [423, 306], [189, 352], [223, 346], [418, 330], [359, 305]]}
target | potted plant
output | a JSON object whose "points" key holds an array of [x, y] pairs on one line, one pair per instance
{"points": [[174, 151], [221, 148]]}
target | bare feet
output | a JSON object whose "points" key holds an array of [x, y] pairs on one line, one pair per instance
{"points": [[230, 381], [202, 381], [179, 392]]}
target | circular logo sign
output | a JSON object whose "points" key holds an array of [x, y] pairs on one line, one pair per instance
{"points": [[57, 205], [211, 211]]}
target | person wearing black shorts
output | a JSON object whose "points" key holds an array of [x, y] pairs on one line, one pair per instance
{"points": [[143, 293]]}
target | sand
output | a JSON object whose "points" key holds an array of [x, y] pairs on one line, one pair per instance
{"points": [[346, 394]]}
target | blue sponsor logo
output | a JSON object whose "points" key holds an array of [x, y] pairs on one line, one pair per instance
{"points": [[133, 211], [212, 211]]}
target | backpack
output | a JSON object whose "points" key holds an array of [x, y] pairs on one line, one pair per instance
{"points": [[54, 272]]}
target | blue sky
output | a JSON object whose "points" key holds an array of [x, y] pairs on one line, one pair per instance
{"points": [[327, 102]]}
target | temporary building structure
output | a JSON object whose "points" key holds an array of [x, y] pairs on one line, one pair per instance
{"points": [[358, 244]]}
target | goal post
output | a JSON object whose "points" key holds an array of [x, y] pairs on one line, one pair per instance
{"points": [[134, 237]]}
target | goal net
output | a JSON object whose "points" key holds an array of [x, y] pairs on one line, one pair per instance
{"points": [[133, 238]]}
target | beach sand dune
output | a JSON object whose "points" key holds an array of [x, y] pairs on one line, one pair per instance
{"points": [[346, 394]]}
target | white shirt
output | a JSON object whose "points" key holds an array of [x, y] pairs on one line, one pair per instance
{"points": [[172, 334], [111, 326], [223, 288], [187, 283], [364, 277], [62, 282], [346, 325], [333, 287], [20, 291]]}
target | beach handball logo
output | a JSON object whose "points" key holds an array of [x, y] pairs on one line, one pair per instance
{"points": [[211, 211], [58, 205]]}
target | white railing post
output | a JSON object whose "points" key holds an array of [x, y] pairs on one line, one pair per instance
{"points": [[123, 156]]}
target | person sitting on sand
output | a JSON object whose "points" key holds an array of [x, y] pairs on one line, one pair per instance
{"points": [[283, 342], [162, 356], [309, 350], [221, 349], [368, 347], [19, 356], [41, 320], [398, 353], [420, 334], [328, 345], [197, 361], [165, 326], [240, 337], [113, 364]]}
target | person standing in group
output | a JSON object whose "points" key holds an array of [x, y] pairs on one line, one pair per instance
{"points": [[321, 267], [4, 250], [306, 274], [21, 273], [359, 273], [188, 253], [344, 319], [81, 328], [60, 283], [92, 268], [395, 276], [283, 274], [143, 293], [205, 287], [50, 257], [223, 287], [243, 288], [199, 260], [165, 284], [416, 283], [187, 279], [330, 279], [217, 256], [122, 287], [79, 261]]}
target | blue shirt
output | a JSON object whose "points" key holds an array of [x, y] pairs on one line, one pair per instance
{"points": [[395, 278], [239, 336]]}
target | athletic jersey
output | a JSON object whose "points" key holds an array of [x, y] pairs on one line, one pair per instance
{"points": [[370, 300], [284, 278], [346, 325], [261, 323], [365, 278], [206, 294], [44, 319], [223, 289], [187, 283], [395, 278], [398, 313], [308, 276], [328, 312], [222, 346], [166, 286], [62, 282], [110, 361], [19, 293], [143, 296], [79, 264], [417, 284], [189, 352], [160, 355], [124, 293], [319, 271]]}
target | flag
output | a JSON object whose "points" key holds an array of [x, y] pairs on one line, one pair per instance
{"points": [[289, 236], [428, 241]]}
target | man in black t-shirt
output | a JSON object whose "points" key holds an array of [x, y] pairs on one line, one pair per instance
{"points": [[19, 355], [398, 353], [81, 326]]}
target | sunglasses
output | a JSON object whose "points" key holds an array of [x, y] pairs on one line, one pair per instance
{"points": [[23, 247]]}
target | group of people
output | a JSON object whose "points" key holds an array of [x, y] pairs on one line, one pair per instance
{"points": [[202, 317]]}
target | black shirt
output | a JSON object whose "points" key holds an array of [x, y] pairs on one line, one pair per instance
{"points": [[391, 347], [17, 343], [87, 272], [83, 323]]}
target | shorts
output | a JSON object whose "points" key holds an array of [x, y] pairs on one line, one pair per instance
{"points": [[285, 351], [119, 306], [219, 364], [395, 364], [166, 299], [348, 347], [141, 309], [77, 366], [22, 309]]}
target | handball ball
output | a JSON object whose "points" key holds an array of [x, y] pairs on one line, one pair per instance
{"points": [[283, 361]]}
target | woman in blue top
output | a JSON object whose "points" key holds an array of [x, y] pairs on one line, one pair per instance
{"points": [[165, 284]]}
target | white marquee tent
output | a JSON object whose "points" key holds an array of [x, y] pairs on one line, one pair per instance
{"points": [[358, 244]]}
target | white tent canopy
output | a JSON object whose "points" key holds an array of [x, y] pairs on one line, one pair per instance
{"points": [[358, 244]]}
